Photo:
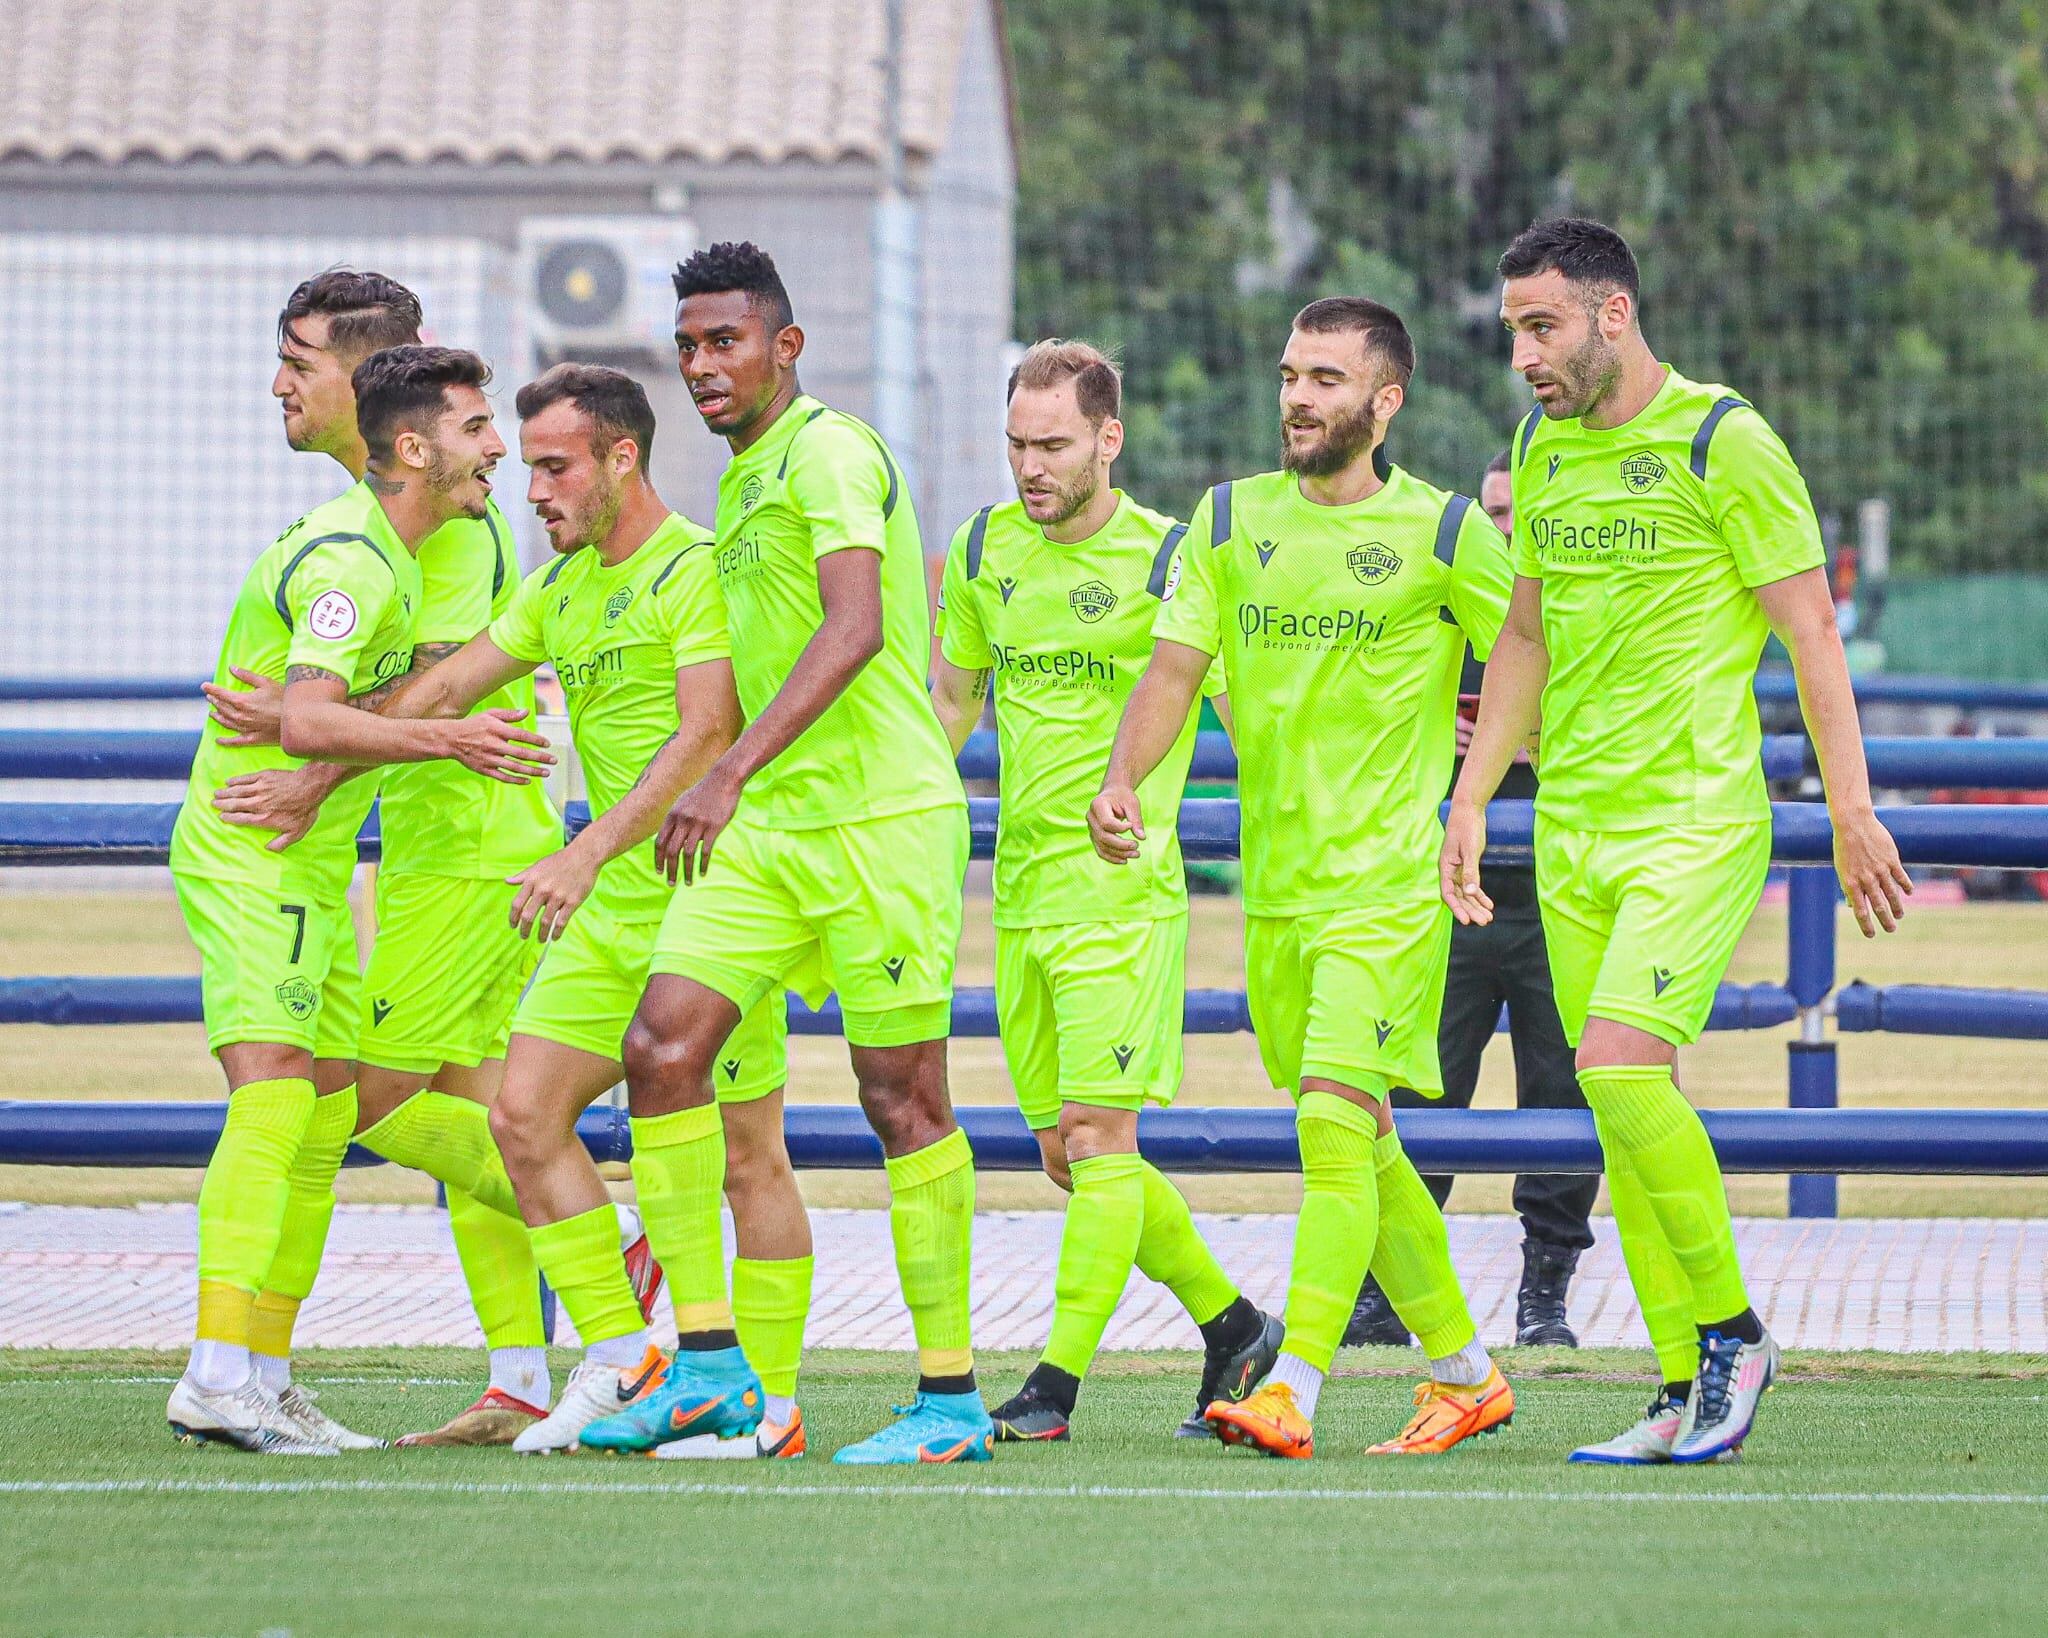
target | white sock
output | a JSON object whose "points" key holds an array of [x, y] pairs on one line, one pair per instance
{"points": [[1303, 1378], [1467, 1368], [218, 1366], [274, 1369], [523, 1373], [623, 1351], [778, 1408]]}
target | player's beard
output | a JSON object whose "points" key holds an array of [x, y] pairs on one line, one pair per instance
{"points": [[1343, 440], [593, 526], [1584, 377], [443, 477], [1070, 501]]}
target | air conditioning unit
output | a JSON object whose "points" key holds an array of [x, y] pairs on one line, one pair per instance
{"points": [[601, 283]]}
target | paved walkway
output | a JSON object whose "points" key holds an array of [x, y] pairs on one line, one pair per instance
{"points": [[77, 1277]]}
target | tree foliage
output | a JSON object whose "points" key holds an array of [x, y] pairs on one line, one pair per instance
{"points": [[1841, 207]]}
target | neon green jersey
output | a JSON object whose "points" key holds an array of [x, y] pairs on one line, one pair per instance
{"points": [[438, 818], [821, 482], [1342, 630], [337, 590], [616, 637], [1067, 630], [1648, 538]]}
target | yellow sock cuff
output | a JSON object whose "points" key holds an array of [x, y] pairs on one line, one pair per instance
{"points": [[1635, 1104], [283, 1105], [682, 1126], [271, 1319], [224, 1313], [929, 1164], [1097, 1170], [1387, 1152], [1336, 1111]]}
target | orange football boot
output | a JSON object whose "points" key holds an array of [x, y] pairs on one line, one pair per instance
{"points": [[1268, 1419], [1447, 1415]]}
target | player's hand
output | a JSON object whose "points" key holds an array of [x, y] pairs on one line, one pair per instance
{"points": [[1873, 879], [493, 744], [286, 800], [693, 826], [250, 714], [1458, 865], [1115, 824], [1461, 732], [550, 890]]}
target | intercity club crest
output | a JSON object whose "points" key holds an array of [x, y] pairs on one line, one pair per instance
{"points": [[298, 997], [617, 604], [750, 494], [1372, 562], [1091, 601], [1641, 472]]}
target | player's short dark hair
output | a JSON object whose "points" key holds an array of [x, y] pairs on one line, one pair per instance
{"points": [[737, 265], [615, 403], [365, 312], [1385, 336], [1586, 252], [405, 389], [1500, 463], [1098, 386]]}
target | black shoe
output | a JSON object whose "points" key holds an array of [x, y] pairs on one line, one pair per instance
{"points": [[1374, 1322], [1231, 1374], [1539, 1310], [1029, 1419]]}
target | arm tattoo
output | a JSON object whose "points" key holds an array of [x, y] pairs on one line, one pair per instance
{"points": [[978, 690], [431, 654], [659, 750], [310, 673], [370, 699]]}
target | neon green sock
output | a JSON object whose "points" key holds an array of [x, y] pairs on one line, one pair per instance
{"points": [[580, 1257], [302, 1235], [1172, 1251], [931, 1219], [1662, 1291], [679, 1171], [242, 1201], [449, 1139], [496, 1253], [1412, 1256], [1098, 1247], [1333, 1237], [771, 1299], [1642, 1116]]}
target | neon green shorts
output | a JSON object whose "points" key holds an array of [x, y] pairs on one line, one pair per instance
{"points": [[272, 967], [1090, 1012], [1641, 923], [444, 974], [870, 909], [589, 986], [1351, 996]]}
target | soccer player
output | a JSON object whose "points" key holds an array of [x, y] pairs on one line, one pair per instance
{"points": [[1660, 530], [629, 615], [1054, 593], [448, 963], [330, 605], [845, 876], [1339, 593]]}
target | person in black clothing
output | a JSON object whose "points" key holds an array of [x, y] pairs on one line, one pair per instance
{"points": [[1505, 963]]}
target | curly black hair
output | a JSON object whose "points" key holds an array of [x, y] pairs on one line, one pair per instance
{"points": [[1585, 252], [741, 265]]}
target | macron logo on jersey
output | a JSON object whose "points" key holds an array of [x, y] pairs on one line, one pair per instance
{"points": [[1266, 549]]}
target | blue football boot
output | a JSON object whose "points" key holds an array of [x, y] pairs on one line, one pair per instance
{"points": [[935, 1427], [713, 1395]]}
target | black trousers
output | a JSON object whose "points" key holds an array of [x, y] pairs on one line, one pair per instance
{"points": [[1505, 963]]}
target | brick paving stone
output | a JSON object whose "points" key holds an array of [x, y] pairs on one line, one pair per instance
{"points": [[88, 1277]]}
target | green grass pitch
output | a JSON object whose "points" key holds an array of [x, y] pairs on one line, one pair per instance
{"points": [[1880, 1494]]}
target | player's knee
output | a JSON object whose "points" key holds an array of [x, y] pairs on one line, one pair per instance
{"points": [[661, 1059], [520, 1128], [754, 1171]]}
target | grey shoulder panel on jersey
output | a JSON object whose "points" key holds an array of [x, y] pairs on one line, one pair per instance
{"points": [[1219, 514], [1447, 528], [555, 568], [1528, 431], [1705, 436], [499, 568], [284, 611], [782, 471], [1162, 560], [661, 579], [977, 538]]}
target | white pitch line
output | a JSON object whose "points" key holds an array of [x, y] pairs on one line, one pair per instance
{"points": [[995, 1492], [165, 1381]]}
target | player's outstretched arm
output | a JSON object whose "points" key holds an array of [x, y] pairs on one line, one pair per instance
{"points": [[1153, 717], [708, 721], [847, 638], [958, 695], [320, 723], [1509, 705], [445, 680], [1801, 610]]}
